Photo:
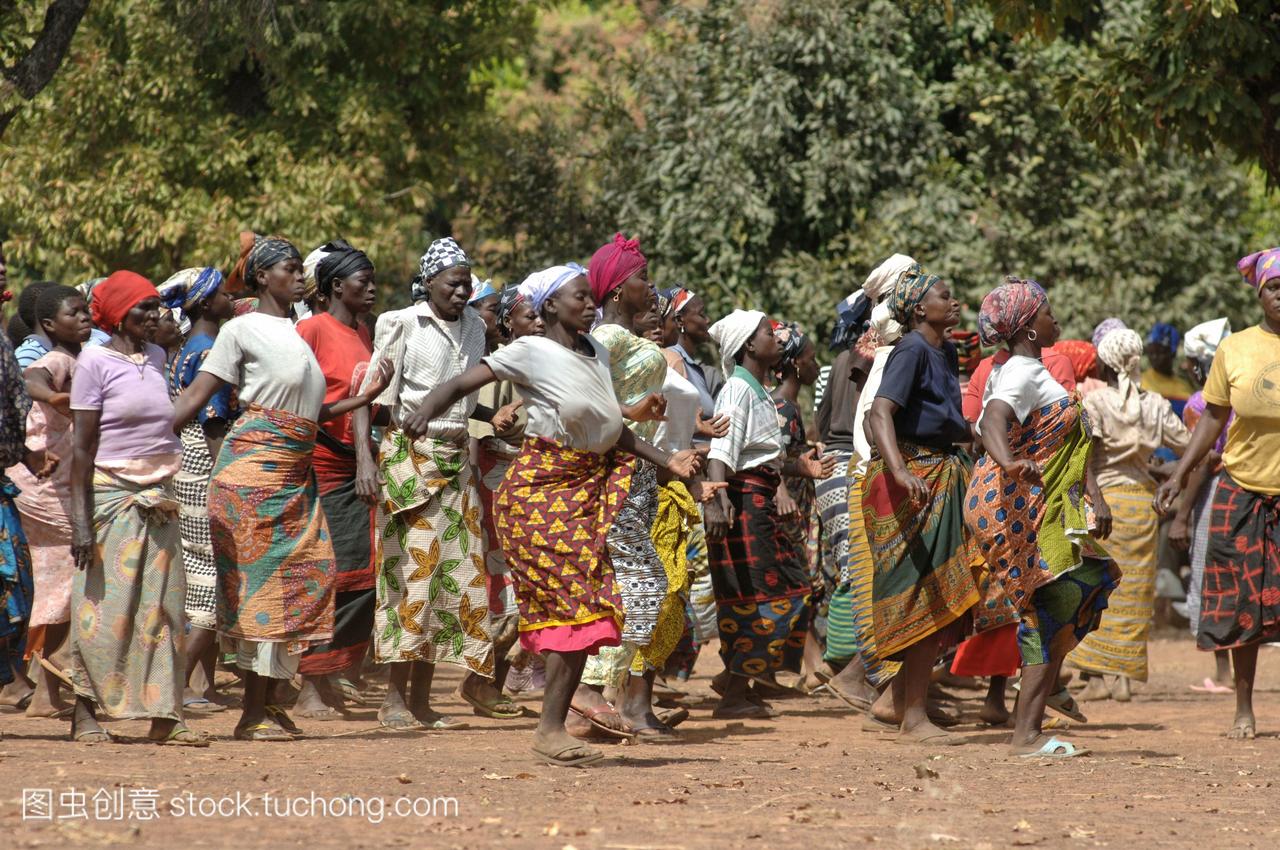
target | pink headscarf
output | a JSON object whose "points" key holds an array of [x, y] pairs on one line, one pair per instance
{"points": [[612, 264], [1260, 267]]}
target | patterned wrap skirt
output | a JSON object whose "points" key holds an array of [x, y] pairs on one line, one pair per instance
{"points": [[350, 522], [1199, 550], [761, 582], [637, 569], [676, 514], [432, 591], [16, 589], [271, 541], [493, 458], [1240, 600], [127, 619], [553, 512], [192, 487]]}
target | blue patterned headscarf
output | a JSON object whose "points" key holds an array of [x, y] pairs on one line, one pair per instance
{"points": [[1165, 334], [190, 287]]}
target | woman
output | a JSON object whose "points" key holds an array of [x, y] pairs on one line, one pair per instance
{"points": [[484, 300], [619, 279], [126, 598], [1240, 607], [494, 452], [923, 581], [1028, 509], [1129, 425], [1161, 378], [1189, 530], [45, 504], [431, 602], [271, 543], [200, 294], [342, 346], [761, 584], [567, 485], [15, 561]]}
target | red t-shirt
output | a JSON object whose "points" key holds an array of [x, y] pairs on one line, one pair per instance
{"points": [[1059, 366], [343, 354]]}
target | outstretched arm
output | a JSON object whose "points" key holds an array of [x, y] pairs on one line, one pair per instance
{"points": [[1208, 429], [445, 396], [193, 398]]}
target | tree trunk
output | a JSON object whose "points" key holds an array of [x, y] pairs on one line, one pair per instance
{"points": [[30, 74]]}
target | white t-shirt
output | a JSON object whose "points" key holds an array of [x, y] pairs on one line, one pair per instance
{"points": [[861, 445], [1024, 384], [270, 364], [568, 396], [683, 407]]}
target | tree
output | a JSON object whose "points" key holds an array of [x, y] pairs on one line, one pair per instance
{"points": [[34, 61]]}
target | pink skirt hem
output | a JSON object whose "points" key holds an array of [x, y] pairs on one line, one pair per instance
{"points": [[587, 636]]}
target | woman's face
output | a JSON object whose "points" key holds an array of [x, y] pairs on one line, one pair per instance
{"points": [[141, 322], [938, 308], [1045, 324], [1269, 295], [71, 325], [487, 307], [356, 292], [284, 282], [167, 332], [219, 306], [763, 345], [806, 364], [694, 322], [449, 292], [524, 321], [573, 307], [635, 293], [670, 330]]}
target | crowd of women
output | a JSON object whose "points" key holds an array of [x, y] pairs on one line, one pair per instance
{"points": [[246, 472]]}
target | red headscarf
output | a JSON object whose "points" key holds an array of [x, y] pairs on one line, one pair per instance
{"points": [[234, 283], [1083, 356], [612, 264], [117, 295]]}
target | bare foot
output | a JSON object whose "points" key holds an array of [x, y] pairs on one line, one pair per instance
{"points": [[559, 747], [927, 733], [853, 682], [1244, 729], [994, 714], [590, 702], [319, 700], [1120, 689], [1095, 690]]}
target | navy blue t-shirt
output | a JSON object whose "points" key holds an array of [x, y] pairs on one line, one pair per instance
{"points": [[922, 381]]}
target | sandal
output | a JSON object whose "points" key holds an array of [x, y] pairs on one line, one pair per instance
{"points": [[92, 736], [672, 719], [350, 691], [746, 711], [1065, 704], [263, 731], [655, 734], [1056, 749], [440, 722], [503, 709], [200, 704], [281, 717], [593, 715], [560, 757], [181, 736], [323, 714], [871, 723], [855, 702], [937, 739], [399, 720]]}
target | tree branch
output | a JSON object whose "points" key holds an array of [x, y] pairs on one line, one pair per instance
{"points": [[30, 74]]}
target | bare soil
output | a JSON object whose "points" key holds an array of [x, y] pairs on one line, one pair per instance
{"points": [[1161, 775]]}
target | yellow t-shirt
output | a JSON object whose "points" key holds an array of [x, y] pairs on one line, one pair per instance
{"points": [[1172, 387], [1246, 375]]}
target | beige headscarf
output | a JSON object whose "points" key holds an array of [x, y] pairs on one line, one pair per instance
{"points": [[732, 332], [881, 280], [1122, 351]]}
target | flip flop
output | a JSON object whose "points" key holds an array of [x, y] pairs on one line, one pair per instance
{"points": [[593, 715], [181, 736], [1212, 687], [202, 705], [263, 731], [503, 709], [281, 717], [351, 692], [558, 759], [1065, 704], [93, 736], [440, 723], [871, 723], [748, 711], [939, 718], [937, 739], [324, 714], [655, 734], [672, 719], [401, 720], [1056, 749], [856, 703]]}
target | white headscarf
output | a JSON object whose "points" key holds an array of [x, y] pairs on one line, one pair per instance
{"points": [[1202, 341], [732, 332], [885, 325], [1121, 349], [309, 270], [881, 280], [540, 286]]}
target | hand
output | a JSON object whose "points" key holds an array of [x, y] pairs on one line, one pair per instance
{"points": [[1166, 495], [651, 408], [716, 426], [61, 402], [717, 516], [368, 486], [1027, 470], [504, 418], [1180, 533], [811, 464], [784, 503], [376, 382], [684, 464], [1102, 518], [917, 490], [41, 463], [704, 491], [84, 548]]}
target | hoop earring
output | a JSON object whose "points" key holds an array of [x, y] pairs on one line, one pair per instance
{"points": [[1032, 335], [617, 295]]}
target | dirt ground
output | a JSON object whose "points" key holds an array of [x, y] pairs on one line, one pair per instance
{"points": [[1162, 775]]}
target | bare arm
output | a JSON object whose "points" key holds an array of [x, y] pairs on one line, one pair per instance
{"points": [[445, 396], [995, 440], [718, 513], [193, 398], [1180, 528], [84, 451], [1208, 429], [367, 486], [880, 423]]}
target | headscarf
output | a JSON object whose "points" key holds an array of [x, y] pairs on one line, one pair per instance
{"points": [[664, 304], [680, 299], [1082, 354], [540, 286], [1260, 267], [339, 262], [418, 289], [1166, 335], [791, 342], [908, 291], [117, 295], [310, 286], [612, 264], [1122, 351], [1202, 341], [266, 252], [510, 298], [442, 254], [190, 287], [235, 280], [884, 276], [968, 348], [732, 332], [669, 302], [87, 288], [1105, 327], [885, 325], [1009, 308], [480, 289], [868, 343]]}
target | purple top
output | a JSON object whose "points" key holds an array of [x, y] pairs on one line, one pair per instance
{"points": [[1191, 413], [137, 416]]}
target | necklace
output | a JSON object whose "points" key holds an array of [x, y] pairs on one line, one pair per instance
{"points": [[141, 363]]}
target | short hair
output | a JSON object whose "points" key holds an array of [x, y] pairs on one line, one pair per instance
{"points": [[50, 301], [27, 300], [17, 330]]}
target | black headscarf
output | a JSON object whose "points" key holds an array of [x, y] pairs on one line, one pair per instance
{"points": [[339, 262], [265, 253]]}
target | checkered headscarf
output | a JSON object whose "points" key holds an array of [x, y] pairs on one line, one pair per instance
{"points": [[443, 254]]}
